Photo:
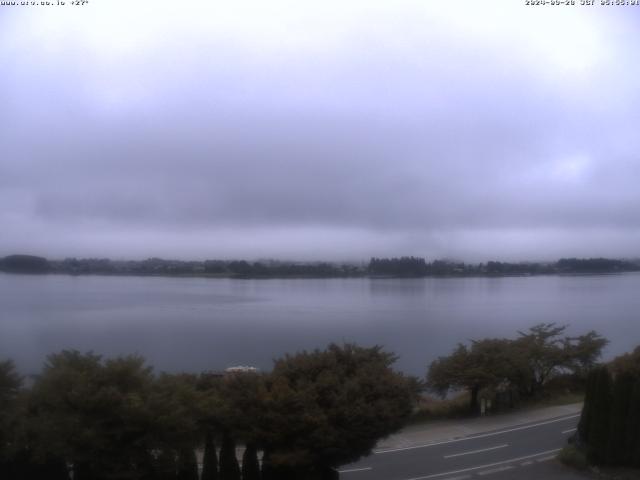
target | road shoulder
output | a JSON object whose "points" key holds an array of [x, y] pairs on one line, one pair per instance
{"points": [[439, 431]]}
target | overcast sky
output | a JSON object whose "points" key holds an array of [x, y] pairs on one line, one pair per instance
{"points": [[320, 130]]}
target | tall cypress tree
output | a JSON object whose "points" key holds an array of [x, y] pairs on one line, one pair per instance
{"points": [[267, 469], [587, 409], [633, 427], [54, 469], [229, 468], [82, 471], [210, 459], [187, 465], [599, 425], [618, 444], [250, 464], [165, 465]]}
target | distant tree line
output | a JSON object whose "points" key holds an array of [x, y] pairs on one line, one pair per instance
{"points": [[419, 267], [159, 266], [506, 369], [24, 264], [281, 269], [609, 428], [92, 418], [396, 267], [588, 265]]}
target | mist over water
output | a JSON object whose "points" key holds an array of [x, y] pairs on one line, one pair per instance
{"points": [[195, 324]]}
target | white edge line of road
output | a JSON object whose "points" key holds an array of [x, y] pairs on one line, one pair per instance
{"points": [[476, 451], [350, 470], [435, 475], [569, 430], [496, 470], [473, 437]]}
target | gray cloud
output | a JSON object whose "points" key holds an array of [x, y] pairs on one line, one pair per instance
{"points": [[336, 133]]}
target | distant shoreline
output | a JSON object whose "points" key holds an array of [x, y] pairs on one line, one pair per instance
{"points": [[310, 277], [391, 268]]}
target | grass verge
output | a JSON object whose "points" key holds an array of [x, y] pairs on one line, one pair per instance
{"points": [[432, 408], [572, 457]]}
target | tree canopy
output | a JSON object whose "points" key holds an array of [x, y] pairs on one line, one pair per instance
{"points": [[113, 418], [609, 428], [327, 408], [525, 363]]}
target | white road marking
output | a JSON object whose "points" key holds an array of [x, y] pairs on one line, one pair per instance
{"points": [[495, 470], [545, 459], [489, 465], [476, 451], [351, 470], [484, 435], [528, 462], [569, 431]]}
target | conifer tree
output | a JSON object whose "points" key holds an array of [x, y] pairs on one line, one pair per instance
{"points": [[587, 409], [166, 467], [10, 384], [82, 471], [229, 468], [633, 427], [250, 464], [210, 459], [187, 465], [618, 439], [599, 425]]}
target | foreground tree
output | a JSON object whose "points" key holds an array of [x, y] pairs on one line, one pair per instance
{"points": [[609, 428], [327, 408], [601, 400], [628, 363], [113, 419], [229, 468], [486, 363], [524, 364], [250, 463], [210, 458], [542, 346], [10, 416], [187, 465], [95, 415], [584, 352], [547, 352]]}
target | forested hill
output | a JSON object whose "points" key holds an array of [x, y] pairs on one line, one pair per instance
{"points": [[393, 267]]}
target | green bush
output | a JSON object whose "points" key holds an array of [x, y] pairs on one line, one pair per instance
{"points": [[430, 408], [573, 457]]}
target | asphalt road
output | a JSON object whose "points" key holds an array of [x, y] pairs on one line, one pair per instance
{"points": [[520, 451]]}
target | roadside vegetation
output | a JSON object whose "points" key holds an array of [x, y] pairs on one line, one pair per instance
{"points": [[92, 418], [608, 434], [573, 457], [100, 419], [431, 407], [542, 364]]}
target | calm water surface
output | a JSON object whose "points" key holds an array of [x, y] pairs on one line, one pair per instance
{"points": [[198, 324]]}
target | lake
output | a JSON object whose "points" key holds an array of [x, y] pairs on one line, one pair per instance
{"points": [[194, 324]]}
